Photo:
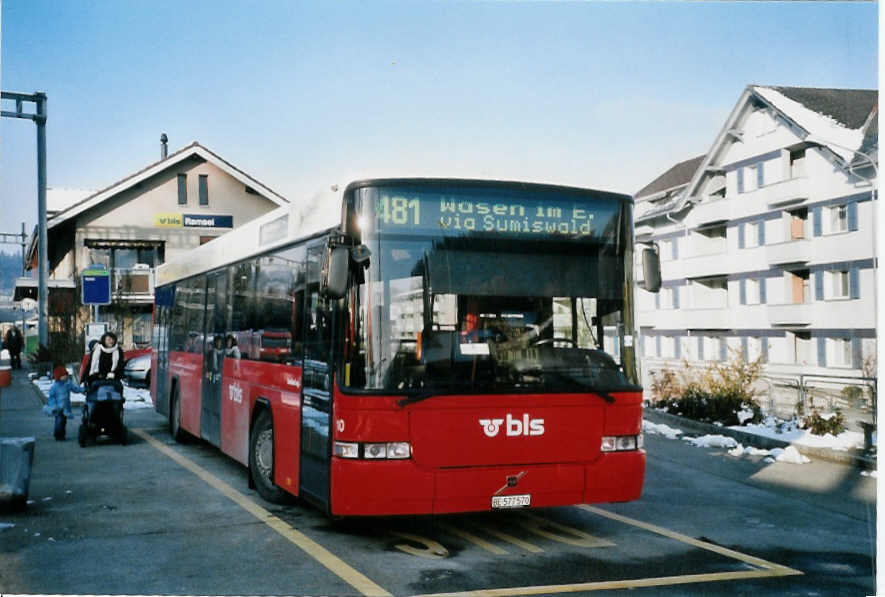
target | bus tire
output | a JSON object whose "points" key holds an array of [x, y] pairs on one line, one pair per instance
{"points": [[261, 459], [175, 430]]}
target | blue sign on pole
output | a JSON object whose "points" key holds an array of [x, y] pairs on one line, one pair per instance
{"points": [[96, 284]]}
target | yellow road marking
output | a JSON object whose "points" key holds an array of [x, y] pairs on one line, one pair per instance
{"points": [[511, 539], [572, 535], [748, 559], [478, 541], [608, 585], [333, 563]]}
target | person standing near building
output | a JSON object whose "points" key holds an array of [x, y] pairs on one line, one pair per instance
{"points": [[14, 344]]}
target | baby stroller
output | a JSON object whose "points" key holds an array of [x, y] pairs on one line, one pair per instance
{"points": [[102, 413]]}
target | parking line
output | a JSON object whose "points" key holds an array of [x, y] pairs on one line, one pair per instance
{"points": [[478, 541], [511, 539], [333, 563], [747, 559], [763, 568]]}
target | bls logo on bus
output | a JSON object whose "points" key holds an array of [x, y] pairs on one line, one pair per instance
{"points": [[513, 426]]}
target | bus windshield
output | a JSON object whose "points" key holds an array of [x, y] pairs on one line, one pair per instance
{"points": [[491, 289]]}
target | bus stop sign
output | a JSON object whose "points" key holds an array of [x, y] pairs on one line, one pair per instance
{"points": [[96, 285]]}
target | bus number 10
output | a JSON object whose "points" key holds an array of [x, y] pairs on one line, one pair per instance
{"points": [[397, 210]]}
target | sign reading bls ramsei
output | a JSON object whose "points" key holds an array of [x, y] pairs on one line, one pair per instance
{"points": [[533, 214]]}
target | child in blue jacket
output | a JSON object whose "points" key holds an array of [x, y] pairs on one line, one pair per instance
{"points": [[59, 404]]}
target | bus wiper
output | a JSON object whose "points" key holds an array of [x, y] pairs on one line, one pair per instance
{"points": [[416, 398]]}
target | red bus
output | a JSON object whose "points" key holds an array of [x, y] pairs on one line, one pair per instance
{"points": [[446, 346]]}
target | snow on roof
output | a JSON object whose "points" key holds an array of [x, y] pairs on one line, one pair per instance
{"points": [[61, 198], [843, 141]]}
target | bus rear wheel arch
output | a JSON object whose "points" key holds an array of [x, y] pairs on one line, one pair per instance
{"points": [[175, 429], [261, 458]]}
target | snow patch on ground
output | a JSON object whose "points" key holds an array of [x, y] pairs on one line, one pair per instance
{"points": [[660, 429], [847, 440], [712, 441], [874, 474], [136, 398]]}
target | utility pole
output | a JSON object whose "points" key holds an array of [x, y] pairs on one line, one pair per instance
{"points": [[39, 118], [10, 238]]}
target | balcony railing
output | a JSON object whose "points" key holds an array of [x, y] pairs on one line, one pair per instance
{"points": [[791, 314], [792, 190], [794, 251], [135, 284]]}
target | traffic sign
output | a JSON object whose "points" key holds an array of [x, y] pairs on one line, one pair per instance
{"points": [[96, 284]]}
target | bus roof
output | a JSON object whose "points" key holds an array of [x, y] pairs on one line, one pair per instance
{"points": [[313, 217]]}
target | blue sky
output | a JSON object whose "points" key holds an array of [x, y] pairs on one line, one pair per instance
{"points": [[302, 95]]}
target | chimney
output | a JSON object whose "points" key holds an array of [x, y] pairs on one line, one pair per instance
{"points": [[164, 149]]}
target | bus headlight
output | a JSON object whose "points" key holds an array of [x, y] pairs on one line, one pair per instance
{"points": [[621, 443], [373, 451]]}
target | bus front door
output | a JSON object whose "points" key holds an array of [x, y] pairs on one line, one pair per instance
{"points": [[213, 361], [316, 396]]}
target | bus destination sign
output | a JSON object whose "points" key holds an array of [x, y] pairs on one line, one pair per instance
{"points": [[454, 215]]}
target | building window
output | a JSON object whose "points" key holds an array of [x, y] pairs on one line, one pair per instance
{"points": [[839, 285], [798, 286], [799, 347], [838, 219], [204, 189], [839, 350], [206, 239], [182, 189]]}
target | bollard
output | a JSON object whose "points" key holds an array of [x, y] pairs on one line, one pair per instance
{"points": [[16, 460]]}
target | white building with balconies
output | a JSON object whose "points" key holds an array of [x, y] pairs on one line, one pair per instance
{"points": [[767, 242]]}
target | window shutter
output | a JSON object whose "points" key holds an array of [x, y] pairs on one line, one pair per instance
{"points": [[760, 174], [741, 235], [676, 248], [854, 283], [856, 353], [204, 189], [182, 189], [700, 348], [723, 349], [816, 221], [764, 343], [743, 287], [740, 174], [763, 283], [675, 297], [657, 346], [745, 347], [821, 351], [852, 216], [818, 286], [761, 235], [677, 347], [657, 300]]}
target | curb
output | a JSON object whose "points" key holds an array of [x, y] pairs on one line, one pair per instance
{"points": [[855, 458]]}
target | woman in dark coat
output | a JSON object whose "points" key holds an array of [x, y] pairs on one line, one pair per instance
{"points": [[107, 360]]}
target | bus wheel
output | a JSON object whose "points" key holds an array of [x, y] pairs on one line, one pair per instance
{"points": [[178, 434], [261, 460]]}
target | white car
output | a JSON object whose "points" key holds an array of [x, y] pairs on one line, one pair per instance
{"points": [[138, 371]]}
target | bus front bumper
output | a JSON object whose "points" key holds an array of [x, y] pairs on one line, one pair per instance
{"points": [[383, 488]]}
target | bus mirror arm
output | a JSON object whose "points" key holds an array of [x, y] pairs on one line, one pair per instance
{"points": [[361, 255]]}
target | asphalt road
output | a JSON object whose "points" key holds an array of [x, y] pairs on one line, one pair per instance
{"points": [[156, 517]]}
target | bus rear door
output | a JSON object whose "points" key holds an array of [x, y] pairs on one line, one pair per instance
{"points": [[213, 361]]}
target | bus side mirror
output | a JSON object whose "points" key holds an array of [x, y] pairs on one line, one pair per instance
{"points": [[651, 269], [336, 264]]}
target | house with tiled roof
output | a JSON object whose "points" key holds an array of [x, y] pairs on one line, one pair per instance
{"points": [[133, 225], [767, 240]]}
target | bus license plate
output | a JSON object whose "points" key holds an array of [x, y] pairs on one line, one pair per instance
{"points": [[511, 501]]}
